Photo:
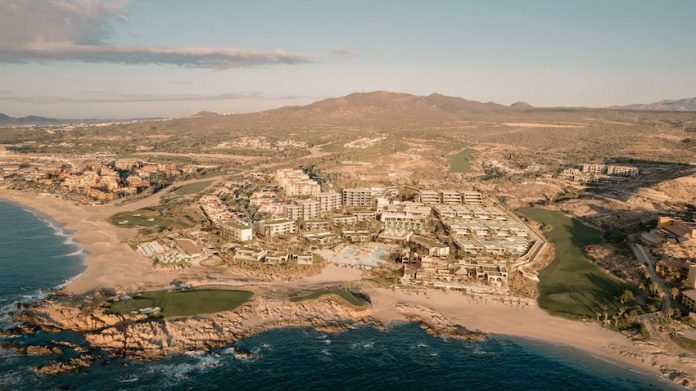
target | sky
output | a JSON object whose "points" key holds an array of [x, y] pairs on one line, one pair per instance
{"points": [[172, 58]]}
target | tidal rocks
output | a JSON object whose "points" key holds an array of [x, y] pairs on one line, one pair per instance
{"points": [[70, 365], [32, 350], [434, 323]]}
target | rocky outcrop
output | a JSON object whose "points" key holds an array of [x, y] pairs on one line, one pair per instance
{"points": [[52, 316], [434, 323], [71, 365], [142, 338], [31, 350]]}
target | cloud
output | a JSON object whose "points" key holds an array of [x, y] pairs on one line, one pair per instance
{"points": [[108, 97], [344, 52], [78, 30], [186, 57]]}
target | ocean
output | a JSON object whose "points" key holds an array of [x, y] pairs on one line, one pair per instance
{"points": [[36, 256]]}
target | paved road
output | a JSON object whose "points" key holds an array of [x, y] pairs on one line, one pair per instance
{"points": [[644, 257]]}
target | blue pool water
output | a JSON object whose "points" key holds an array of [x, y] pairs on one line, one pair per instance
{"points": [[35, 256]]}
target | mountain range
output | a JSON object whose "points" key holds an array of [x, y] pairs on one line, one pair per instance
{"points": [[687, 104], [28, 120], [384, 106]]}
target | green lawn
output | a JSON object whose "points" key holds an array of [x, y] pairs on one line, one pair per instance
{"points": [[185, 303], [148, 217], [192, 188], [461, 161], [350, 297], [571, 285]]}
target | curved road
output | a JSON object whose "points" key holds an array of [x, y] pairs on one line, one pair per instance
{"points": [[646, 259]]}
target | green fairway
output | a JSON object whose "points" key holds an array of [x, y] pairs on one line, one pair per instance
{"points": [[149, 217], [350, 297], [461, 161], [192, 188], [185, 303], [571, 285]]}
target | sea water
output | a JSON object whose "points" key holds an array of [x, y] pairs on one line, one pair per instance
{"points": [[36, 256]]}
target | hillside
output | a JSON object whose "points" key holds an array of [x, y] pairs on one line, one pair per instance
{"points": [[382, 107], [28, 120], [687, 104]]}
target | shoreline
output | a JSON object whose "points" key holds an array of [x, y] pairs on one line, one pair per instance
{"points": [[108, 262]]}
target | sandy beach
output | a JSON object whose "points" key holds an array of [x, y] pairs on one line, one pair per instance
{"points": [[108, 261], [490, 315], [111, 263]]}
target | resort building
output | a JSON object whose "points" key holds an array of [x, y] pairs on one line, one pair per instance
{"points": [[296, 183], [676, 230], [320, 238], [235, 231], [357, 197], [188, 247], [271, 228], [429, 246], [317, 225], [249, 254], [230, 227], [395, 221], [691, 277], [428, 196], [472, 198], [344, 220], [689, 299], [304, 258], [612, 170], [623, 170], [379, 191], [365, 215], [273, 258], [450, 197], [357, 236], [302, 209], [594, 168], [328, 201]]}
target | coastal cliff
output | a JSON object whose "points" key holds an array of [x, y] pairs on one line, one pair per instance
{"points": [[142, 338]]}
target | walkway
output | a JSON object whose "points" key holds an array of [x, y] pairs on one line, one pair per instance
{"points": [[644, 257]]}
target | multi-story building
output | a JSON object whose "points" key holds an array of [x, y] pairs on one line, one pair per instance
{"points": [[302, 209], [365, 215], [429, 246], [401, 221], [594, 168], [328, 201], [235, 231], [689, 299], [691, 277], [623, 170], [292, 211], [472, 197], [317, 225], [271, 228], [344, 220], [428, 196], [450, 197], [379, 191], [296, 183], [357, 197]]}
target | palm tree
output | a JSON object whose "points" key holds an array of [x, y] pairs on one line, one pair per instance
{"points": [[675, 292], [605, 313], [626, 297]]}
